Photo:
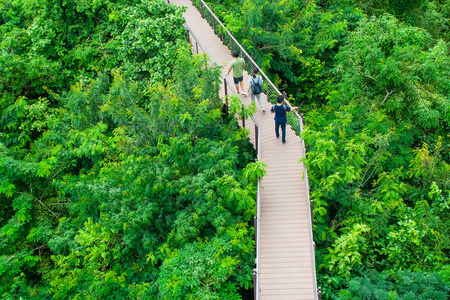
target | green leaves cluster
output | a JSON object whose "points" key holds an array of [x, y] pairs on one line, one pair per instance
{"points": [[50, 44], [405, 285], [401, 73], [377, 157], [120, 177]]}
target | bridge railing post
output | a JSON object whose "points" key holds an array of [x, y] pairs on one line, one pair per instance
{"points": [[255, 225], [253, 65], [243, 116], [214, 23], [201, 10], [225, 85], [256, 137], [255, 274]]}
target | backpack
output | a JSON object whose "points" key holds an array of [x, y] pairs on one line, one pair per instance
{"points": [[256, 87], [273, 107]]}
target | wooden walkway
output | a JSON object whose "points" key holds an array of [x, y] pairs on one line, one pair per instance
{"points": [[286, 259]]}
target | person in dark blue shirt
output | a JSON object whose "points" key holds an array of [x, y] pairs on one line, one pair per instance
{"points": [[280, 117]]}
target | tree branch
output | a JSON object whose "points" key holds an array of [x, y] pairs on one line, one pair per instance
{"points": [[369, 77], [47, 208], [387, 95], [267, 47], [363, 183]]}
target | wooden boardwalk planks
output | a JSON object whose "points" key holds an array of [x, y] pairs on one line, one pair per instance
{"points": [[286, 270]]}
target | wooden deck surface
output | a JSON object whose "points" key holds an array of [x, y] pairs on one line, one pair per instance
{"points": [[286, 270]]}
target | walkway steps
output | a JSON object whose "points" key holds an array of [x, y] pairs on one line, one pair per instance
{"points": [[286, 258]]}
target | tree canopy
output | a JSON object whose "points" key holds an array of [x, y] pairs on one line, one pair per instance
{"points": [[121, 178]]}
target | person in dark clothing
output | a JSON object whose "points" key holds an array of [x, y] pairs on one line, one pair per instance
{"points": [[280, 117]]}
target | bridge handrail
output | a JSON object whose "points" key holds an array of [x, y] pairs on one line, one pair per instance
{"points": [[294, 120]]}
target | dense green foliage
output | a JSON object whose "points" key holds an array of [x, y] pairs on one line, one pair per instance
{"points": [[120, 178], [378, 160], [407, 285], [373, 81]]}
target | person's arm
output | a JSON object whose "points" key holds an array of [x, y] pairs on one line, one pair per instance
{"points": [[231, 67], [288, 109]]}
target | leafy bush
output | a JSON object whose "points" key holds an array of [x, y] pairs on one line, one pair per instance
{"points": [[402, 285]]}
